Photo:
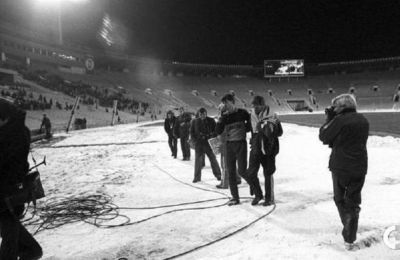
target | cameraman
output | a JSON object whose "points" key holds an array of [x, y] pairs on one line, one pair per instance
{"points": [[14, 148], [346, 132]]}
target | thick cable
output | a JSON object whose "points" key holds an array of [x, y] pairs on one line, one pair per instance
{"points": [[223, 237]]}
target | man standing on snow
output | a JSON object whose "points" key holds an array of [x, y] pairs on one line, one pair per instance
{"points": [[236, 123], [47, 126], [169, 125], [264, 147], [346, 132], [202, 129], [181, 130]]}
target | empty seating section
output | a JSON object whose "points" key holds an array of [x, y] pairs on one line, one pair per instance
{"points": [[373, 90]]}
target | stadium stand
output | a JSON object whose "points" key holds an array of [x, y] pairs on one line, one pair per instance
{"points": [[44, 71]]}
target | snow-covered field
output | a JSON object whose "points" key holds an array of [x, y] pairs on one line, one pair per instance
{"points": [[133, 165]]}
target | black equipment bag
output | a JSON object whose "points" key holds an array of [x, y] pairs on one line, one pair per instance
{"points": [[29, 190]]}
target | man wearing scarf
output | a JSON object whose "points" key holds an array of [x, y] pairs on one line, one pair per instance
{"points": [[264, 147]]}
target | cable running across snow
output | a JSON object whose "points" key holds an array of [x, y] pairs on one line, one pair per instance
{"points": [[96, 209]]}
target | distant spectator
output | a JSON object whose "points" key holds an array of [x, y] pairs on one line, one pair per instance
{"points": [[47, 126]]}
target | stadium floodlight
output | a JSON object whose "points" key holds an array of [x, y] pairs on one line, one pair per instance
{"points": [[57, 4]]}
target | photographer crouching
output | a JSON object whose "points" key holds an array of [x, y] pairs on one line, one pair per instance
{"points": [[346, 132], [16, 241]]}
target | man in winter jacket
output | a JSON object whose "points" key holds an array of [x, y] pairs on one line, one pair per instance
{"points": [[169, 125], [346, 132], [47, 126], [236, 123], [202, 129], [264, 147], [181, 131], [16, 241]]}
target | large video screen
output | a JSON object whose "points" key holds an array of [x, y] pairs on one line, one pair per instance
{"points": [[283, 68]]}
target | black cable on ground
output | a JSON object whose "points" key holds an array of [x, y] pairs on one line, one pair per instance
{"points": [[221, 238], [173, 205], [93, 209], [188, 184], [99, 144]]}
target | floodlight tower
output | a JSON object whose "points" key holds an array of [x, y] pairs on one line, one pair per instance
{"points": [[59, 22], [57, 4]]}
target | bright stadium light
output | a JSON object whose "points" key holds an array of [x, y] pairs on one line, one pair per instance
{"points": [[57, 4]]}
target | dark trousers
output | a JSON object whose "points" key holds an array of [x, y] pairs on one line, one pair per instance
{"points": [[16, 240], [236, 152], [200, 151], [173, 145], [185, 148], [347, 197], [203, 161], [48, 132], [268, 163]]}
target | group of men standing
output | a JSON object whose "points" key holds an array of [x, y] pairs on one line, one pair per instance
{"points": [[234, 124], [345, 131], [178, 128], [264, 146]]}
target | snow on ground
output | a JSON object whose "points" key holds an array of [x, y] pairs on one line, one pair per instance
{"points": [[133, 165]]}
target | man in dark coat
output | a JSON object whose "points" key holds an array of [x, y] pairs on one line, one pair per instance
{"points": [[346, 132], [181, 131], [236, 123], [264, 147], [14, 148], [169, 125], [47, 125], [202, 129]]}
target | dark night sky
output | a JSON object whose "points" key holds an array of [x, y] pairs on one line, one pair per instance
{"points": [[236, 31]]}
